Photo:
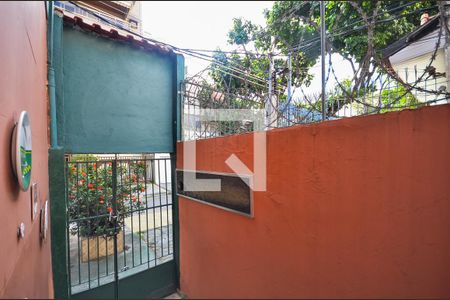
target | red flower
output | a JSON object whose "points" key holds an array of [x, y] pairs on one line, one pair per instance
{"points": [[83, 174], [91, 186], [101, 202], [142, 189], [134, 199], [95, 166], [99, 187], [109, 209]]}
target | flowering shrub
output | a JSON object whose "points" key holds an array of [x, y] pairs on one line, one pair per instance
{"points": [[90, 194]]}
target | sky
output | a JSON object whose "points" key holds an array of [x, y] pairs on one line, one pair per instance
{"points": [[198, 24], [205, 25]]}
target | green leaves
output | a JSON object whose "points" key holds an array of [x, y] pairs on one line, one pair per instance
{"points": [[397, 99], [357, 30], [91, 196], [242, 32]]}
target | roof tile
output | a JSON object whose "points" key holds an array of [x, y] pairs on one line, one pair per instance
{"points": [[113, 33]]}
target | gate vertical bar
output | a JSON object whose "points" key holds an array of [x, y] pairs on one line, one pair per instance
{"points": [[114, 207], [146, 212], [66, 170]]}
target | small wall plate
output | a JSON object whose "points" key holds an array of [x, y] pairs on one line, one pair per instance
{"points": [[34, 200], [21, 231], [44, 221]]}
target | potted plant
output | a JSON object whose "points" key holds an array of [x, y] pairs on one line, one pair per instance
{"points": [[90, 201]]}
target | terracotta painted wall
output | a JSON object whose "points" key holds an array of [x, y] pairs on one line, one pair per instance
{"points": [[25, 265], [355, 208]]}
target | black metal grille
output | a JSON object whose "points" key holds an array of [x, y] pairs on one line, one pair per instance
{"points": [[382, 93], [127, 200]]}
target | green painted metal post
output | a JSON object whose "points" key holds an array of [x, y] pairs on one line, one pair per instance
{"points": [[56, 164], [58, 215], [51, 78], [179, 101], [177, 135]]}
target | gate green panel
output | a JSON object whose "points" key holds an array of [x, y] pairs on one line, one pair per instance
{"points": [[113, 97], [154, 283]]}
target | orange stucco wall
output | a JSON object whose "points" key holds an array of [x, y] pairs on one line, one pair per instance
{"points": [[25, 265], [354, 208]]}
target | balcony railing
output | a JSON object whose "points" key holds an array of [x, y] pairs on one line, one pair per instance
{"points": [[113, 21]]}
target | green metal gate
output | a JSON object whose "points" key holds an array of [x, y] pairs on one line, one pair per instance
{"points": [[119, 221], [112, 236]]}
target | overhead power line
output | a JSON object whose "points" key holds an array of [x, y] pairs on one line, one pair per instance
{"points": [[233, 68], [174, 48], [346, 32]]}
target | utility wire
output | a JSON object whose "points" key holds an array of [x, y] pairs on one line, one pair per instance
{"points": [[174, 48], [310, 43], [195, 52], [356, 22], [335, 34], [346, 32]]}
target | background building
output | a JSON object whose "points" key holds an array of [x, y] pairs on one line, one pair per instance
{"points": [[125, 14], [409, 57]]}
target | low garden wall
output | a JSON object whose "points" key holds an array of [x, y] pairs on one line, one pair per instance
{"points": [[354, 208]]}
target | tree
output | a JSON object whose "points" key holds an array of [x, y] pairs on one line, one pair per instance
{"points": [[357, 30], [391, 99]]}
